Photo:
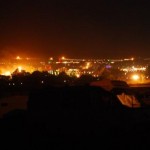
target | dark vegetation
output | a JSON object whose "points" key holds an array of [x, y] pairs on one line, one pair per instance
{"points": [[70, 115]]}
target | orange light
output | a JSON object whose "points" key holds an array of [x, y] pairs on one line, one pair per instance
{"points": [[19, 68], [7, 73], [78, 75], [63, 58], [51, 58], [18, 58]]}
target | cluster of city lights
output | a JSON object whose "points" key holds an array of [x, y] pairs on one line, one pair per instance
{"points": [[74, 67], [133, 69]]}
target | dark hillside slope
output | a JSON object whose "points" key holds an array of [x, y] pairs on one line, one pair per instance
{"points": [[77, 116]]}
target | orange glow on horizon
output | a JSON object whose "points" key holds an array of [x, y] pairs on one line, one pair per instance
{"points": [[7, 73]]}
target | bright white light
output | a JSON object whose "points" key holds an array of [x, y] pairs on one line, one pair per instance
{"points": [[135, 77]]}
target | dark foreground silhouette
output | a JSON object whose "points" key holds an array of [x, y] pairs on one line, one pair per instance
{"points": [[77, 117]]}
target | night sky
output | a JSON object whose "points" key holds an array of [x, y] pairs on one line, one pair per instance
{"points": [[75, 28]]}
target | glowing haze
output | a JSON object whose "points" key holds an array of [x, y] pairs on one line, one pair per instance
{"points": [[76, 28]]}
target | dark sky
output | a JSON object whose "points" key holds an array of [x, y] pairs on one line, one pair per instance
{"points": [[75, 28]]}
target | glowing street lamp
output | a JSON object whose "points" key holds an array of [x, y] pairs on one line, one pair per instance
{"points": [[63, 58], [135, 77], [18, 58], [51, 58]]}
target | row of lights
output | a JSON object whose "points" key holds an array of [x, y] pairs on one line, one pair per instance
{"points": [[14, 83], [42, 82]]}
